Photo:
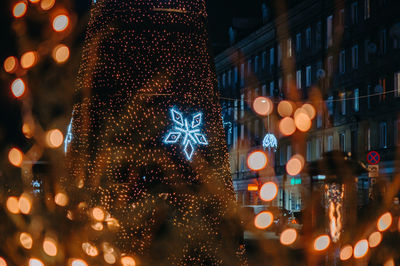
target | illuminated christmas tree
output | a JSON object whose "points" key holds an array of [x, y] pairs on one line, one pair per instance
{"points": [[146, 140]]}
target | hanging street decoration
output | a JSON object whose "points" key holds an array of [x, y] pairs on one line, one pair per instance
{"points": [[68, 137], [189, 133], [270, 142]]}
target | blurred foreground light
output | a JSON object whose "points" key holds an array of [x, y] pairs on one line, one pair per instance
{"points": [[47, 4], [26, 240], [285, 108], [263, 220], [25, 204], [389, 262], [60, 23], [54, 138], [61, 199], [360, 249], [15, 157], [263, 106], [268, 191], [10, 64], [98, 226], [295, 165], [346, 252], [257, 161], [287, 126], [374, 239], [128, 261], [288, 237], [27, 130], [50, 246], [98, 214], [384, 222], [61, 53], [302, 121], [12, 205], [77, 262], [3, 262], [322, 242], [29, 59], [34, 1], [19, 9], [110, 258], [113, 224], [35, 262], [90, 250], [18, 88], [310, 110]]}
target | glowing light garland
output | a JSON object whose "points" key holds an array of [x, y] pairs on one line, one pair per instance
{"points": [[190, 133]]}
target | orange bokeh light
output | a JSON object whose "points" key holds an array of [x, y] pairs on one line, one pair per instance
{"points": [[302, 121], [128, 261], [35, 262], [26, 240], [12, 205], [263, 220], [3, 262], [18, 88], [28, 59], [10, 64], [285, 108], [60, 23], [15, 157], [50, 247], [288, 237], [346, 252], [374, 239], [310, 110], [54, 138], [25, 204], [47, 4], [263, 106], [19, 9], [322, 242], [287, 126], [360, 249], [257, 160], [27, 130], [389, 262], [384, 222], [98, 214], [295, 165], [61, 53], [34, 1], [268, 191]]}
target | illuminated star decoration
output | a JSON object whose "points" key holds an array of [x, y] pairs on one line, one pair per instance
{"points": [[68, 137], [189, 133], [270, 142]]}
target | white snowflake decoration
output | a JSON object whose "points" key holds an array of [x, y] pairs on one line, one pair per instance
{"points": [[189, 133], [68, 137], [270, 142]]}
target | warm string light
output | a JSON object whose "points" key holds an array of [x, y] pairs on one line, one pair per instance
{"points": [[60, 23], [19, 9], [18, 88], [322, 242], [10, 64]]}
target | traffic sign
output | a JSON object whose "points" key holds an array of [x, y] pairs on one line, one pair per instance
{"points": [[373, 158], [373, 171]]}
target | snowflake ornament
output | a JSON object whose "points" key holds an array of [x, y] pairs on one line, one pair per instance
{"points": [[270, 142], [189, 133]]}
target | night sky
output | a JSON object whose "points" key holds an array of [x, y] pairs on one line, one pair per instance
{"points": [[220, 17]]}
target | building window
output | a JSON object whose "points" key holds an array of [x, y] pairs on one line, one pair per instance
{"points": [[342, 61], [271, 89], [242, 132], [397, 132], [330, 105], [309, 151], [318, 34], [298, 42], [383, 42], [272, 58], [289, 47], [397, 84], [319, 148], [383, 135], [319, 120], [281, 156], [264, 59], [354, 56], [280, 84], [354, 13], [235, 136], [249, 68], [367, 9], [330, 143], [308, 38], [329, 31], [288, 152], [223, 80], [353, 139], [256, 64], [242, 75], [366, 52], [330, 66], [369, 96], [308, 76], [341, 18], [298, 79], [241, 105], [279, 55], [356, 100], [230, 77], [368, 139], [342, 141], [235, 71], [343, 103], [242, 163], [264, 90]]}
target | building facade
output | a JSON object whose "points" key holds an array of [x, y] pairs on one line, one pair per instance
{"points": [[344, 58]]}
